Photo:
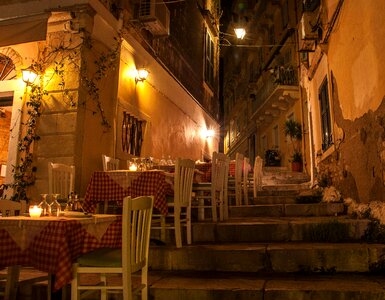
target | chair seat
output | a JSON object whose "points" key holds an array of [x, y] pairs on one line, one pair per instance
{"points": [[102, 257]]}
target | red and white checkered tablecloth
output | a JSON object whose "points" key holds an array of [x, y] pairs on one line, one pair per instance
{"points": [[115, 185], [53, 244]]}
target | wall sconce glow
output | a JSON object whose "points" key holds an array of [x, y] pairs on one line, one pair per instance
{"points": [[28, 75], [240, 33], [207, 133], [141, 75]]}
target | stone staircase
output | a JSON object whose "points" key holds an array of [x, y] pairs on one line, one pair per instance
{"points": [[276, 248]]}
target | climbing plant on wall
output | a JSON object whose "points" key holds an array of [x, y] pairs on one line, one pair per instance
{"points": [[60, 59]]}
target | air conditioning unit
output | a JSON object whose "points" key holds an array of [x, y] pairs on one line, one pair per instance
{"points": [[155, 16]]}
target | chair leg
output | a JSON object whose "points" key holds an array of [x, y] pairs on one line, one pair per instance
{"points": [[162, 228], [214, 208], [178, 231], [103, 292], [144, 292], [225, 206], [221, 211], [127, 292], [74, 284], [188, 226], [11, 285]]}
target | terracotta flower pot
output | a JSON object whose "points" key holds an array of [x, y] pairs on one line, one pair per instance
{"points": [[296, 166]]}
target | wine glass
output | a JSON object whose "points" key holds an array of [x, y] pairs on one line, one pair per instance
{"points": [[45, 207], [55, 206]]}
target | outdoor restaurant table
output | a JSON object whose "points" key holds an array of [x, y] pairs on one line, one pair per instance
{"points": [[52, 244], [115, 185]]}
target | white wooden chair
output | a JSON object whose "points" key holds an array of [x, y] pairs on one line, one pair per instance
{"points": [[131, 258], [257, 176], [12, 208], [109, 163], [179, 211], [61, 179], [235, 183], [214, 192], [246, 182]]}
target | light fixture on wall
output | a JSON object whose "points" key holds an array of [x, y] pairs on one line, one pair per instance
{"points": [[141, 75], [207, 133], [240, 32], [28, 75]]}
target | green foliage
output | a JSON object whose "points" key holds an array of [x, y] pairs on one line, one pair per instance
{"points": [[296, 157], [61, 59], [293, 130], [332, 232]]}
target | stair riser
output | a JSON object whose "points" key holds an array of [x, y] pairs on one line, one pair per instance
{"points": [[286, 210], [272, 259], [167, 294], [267, 232]]}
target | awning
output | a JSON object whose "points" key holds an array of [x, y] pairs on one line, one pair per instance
{"points": [[23, 30]]}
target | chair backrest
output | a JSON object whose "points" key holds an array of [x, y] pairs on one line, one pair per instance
{"points": [[109, 163], [61, 179], [12, 208], [183, 181], [136, 225], [238, 177], [257, 175], [220, 173], [246, 169]]}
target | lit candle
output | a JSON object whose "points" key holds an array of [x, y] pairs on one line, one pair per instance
{"points": [[133, 167], [35, 211]]}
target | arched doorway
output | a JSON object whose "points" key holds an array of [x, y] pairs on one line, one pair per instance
{"points": [[10, 110]]}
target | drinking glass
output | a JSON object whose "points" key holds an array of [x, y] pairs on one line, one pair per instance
{"points": [[45, 207], [55, 206]]}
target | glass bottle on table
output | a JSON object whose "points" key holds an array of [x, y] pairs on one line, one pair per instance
{"points": [[45, 207], [55, 206]]}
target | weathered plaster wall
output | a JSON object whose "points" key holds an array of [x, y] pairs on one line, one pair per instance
{"points": [[174, 119], [355, 56]]}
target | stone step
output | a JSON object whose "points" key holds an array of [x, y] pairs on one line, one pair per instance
{"points": [[204, 286], [282, 210], [268, 258], [296, 187], [277, 229]]}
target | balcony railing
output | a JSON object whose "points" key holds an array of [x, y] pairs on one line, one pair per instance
{"points": [[279, 76]]}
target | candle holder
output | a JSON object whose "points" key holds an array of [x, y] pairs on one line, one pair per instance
{"points": [[35, 211]]}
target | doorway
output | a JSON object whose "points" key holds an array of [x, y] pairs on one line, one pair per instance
{"points": [[5, 126]]}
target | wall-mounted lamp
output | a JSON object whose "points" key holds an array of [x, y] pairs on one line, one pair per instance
{"points": [[141, 75], [240, 32], [28, 75], [207, 133]]}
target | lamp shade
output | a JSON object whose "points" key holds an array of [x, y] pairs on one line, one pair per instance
{"points": [[141, 75], [28, 75], [240, 32]]}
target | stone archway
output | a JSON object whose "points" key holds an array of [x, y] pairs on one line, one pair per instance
{"points": [[10, 106], [10, 62]]}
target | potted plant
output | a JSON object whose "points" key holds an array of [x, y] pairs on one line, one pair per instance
{"points": [[293, 130]]}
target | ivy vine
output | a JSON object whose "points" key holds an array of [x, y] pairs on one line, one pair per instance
{"points": [[60, 58]]}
